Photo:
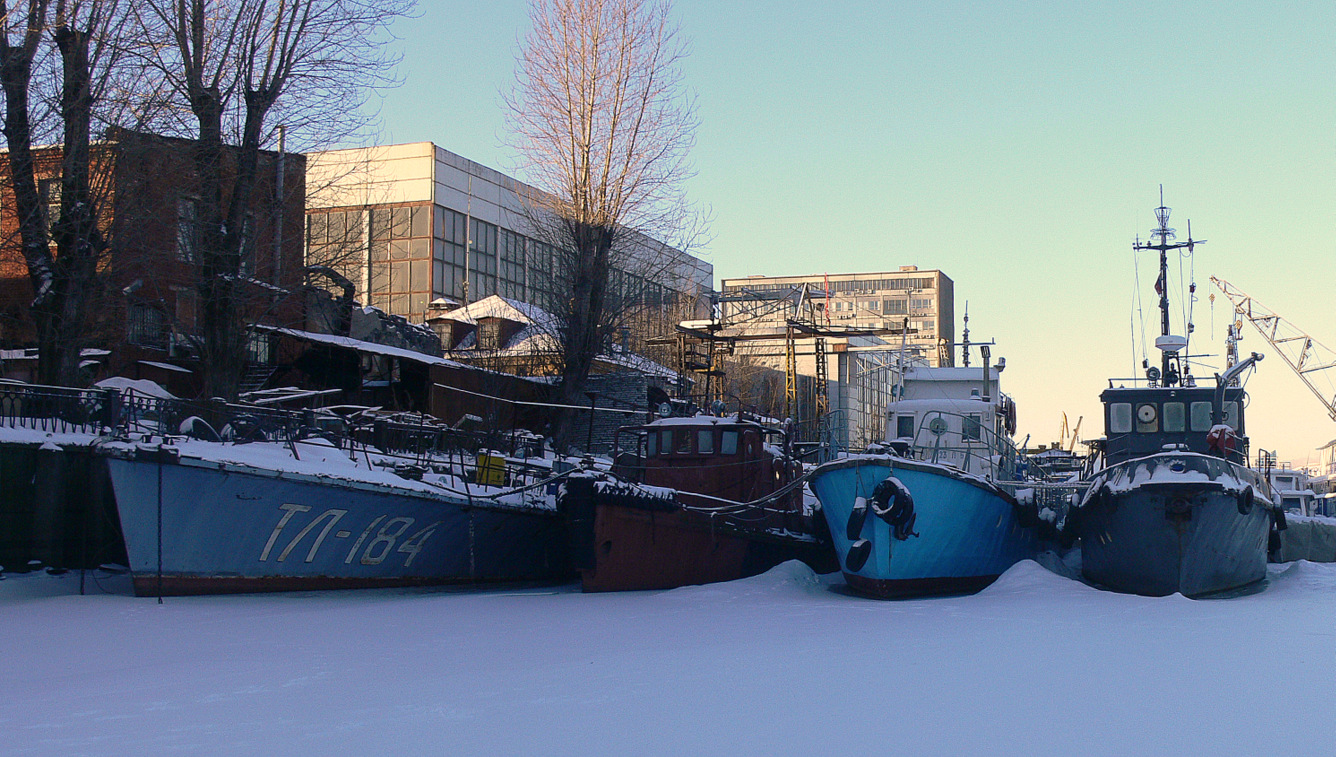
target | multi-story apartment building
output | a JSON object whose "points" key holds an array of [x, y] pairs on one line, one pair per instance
{"points": [[413, 223], [883, 302]]}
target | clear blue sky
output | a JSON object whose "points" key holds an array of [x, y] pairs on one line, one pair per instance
{"points": [[1018, 147]]}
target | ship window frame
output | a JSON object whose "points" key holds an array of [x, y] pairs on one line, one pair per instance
{"points": [[1151, 426], [1120, 417], [1231, 418], [651, 444], [705, 441], [666, 441], [1200, 416], [728, 442], [899, 427], [971, 427], [1173, 416], [682, 443]]}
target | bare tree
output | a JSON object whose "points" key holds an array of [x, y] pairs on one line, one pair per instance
{"points": [[86, 35], [237, 66], [603, 122]]}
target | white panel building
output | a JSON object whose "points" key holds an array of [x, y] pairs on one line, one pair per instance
{"points": [[413, 223]]}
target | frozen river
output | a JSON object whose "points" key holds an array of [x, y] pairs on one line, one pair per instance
{"points": [[783, 663]]}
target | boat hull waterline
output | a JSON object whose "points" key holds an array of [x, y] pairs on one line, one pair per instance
{"points": [[968, 529], [193, 527]]}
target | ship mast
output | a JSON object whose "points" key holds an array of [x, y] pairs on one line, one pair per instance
{"points": [[1161, 240]]}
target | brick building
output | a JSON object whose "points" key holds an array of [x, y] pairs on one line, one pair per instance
{"points": [[145, 305]]}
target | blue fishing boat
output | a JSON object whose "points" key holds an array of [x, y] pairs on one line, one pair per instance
{"points": [[937, 511], [1173, 506], [208, 517]]}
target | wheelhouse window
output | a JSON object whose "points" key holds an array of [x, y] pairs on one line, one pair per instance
{"points": [[665, 441], [1120, 418], [651, 444], [1148, 418], [1232, 415], [1175, 417], [971, 429], [1201, 416], [683, 440], [728, 443], [904, 425], [705, 441]]}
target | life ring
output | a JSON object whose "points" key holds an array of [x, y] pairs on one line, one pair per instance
{"points": [[1245, 499], [892, 502], [1009, 417]]}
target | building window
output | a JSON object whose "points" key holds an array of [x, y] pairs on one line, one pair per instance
{"points": [[247, 262], [489, 334], [146, 326], [187, 229], [259, 348], [49, 189]]}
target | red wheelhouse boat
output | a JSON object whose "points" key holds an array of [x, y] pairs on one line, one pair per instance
{"points": [[692, 501]]}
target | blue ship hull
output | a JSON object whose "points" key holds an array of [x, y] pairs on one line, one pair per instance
{"points": [[210, 528], [1172, 523], [968, 530]]}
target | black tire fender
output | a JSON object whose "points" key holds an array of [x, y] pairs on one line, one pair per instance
{"points": [[1246, 499]]}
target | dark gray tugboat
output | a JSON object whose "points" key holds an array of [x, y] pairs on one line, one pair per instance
{"points": [[1174, 507]]}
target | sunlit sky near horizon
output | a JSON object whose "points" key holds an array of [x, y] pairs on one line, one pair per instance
{"points": [[1019, 148]]}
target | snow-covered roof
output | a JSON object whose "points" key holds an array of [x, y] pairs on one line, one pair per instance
{"points": [[537, 336], [359, 345], [165, 366], [497, 306], [920, 373], [141, 386]]}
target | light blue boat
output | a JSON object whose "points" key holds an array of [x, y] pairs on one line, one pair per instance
{"points": [[939, 515]]}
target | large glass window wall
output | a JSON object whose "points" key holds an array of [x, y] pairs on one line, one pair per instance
{"points": [[401, 257]]}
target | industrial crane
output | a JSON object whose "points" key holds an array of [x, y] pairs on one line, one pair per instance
{"points": [[1069, 434], [1308, 357]]}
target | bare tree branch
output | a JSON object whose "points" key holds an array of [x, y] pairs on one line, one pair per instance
{"points": [[601, 116]]}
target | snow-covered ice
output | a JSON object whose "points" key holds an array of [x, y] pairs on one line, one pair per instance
{"points": [[783, 663]]}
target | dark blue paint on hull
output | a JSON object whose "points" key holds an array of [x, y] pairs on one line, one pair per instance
{"points": [[1186, 537], [229, 530]]}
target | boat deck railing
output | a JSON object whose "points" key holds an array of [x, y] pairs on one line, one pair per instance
{"points": [[65, 410], [984, 453]]}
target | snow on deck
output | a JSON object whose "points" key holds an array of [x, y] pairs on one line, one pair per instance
{"points": [[774, 665]]}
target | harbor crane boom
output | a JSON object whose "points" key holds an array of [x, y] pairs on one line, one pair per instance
{"points": [[1306, 356]]}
